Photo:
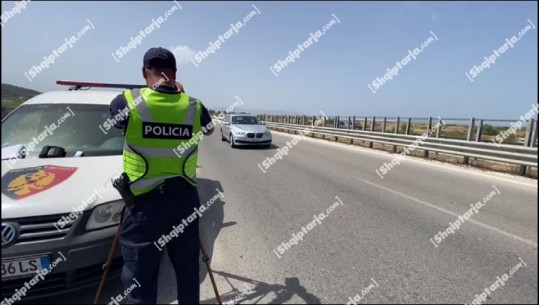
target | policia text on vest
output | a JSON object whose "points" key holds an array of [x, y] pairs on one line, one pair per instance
{"points": [[166, 131]]}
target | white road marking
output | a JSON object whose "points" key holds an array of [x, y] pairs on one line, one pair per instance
{"points": [[430, 205]]}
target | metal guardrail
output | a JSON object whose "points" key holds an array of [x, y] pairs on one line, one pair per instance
{"points": [[469, 129], [526, 157]]}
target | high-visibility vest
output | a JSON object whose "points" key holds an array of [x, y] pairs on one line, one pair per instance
{"points": [[158, 124]]}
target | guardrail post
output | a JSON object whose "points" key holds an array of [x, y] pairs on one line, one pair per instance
{"points": [[534, 135], [373, 123], [324, 121], [529, 133], [354, 122], [397, 125], [408, 125], [470, 129], [429, 127], [365, 124], [479, 133], [529, 140], [469, 137], [384, 125]]}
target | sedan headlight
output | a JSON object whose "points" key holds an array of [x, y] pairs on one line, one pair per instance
{"points": [[268, 133], [105, 215], [239, 132]]}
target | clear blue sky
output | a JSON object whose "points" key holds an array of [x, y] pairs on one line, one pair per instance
{"points": [[331, 75]]}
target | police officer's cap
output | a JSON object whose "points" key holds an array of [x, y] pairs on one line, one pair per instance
{"points": [[159, 58]]}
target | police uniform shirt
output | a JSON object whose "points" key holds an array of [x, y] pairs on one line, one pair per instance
{"points": [[119, 103]]}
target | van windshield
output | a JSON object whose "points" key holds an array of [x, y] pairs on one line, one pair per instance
{"points": [[75, 127]]}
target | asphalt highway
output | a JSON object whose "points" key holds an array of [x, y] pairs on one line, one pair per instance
{"points": [[377, 242]]}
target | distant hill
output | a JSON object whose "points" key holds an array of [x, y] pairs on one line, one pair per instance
{"points": [[257, 111], [13, 96], [14, 93]]}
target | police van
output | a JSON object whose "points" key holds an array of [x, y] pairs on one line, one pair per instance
{"points": [[60, 213]]}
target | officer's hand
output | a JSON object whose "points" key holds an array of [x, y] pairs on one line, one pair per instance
{"points": [[179, 87]]}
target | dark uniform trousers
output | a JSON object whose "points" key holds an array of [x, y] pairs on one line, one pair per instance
{"points": [[154, 215]]}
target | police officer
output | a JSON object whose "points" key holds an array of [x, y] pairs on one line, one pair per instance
{"points": [[163, 181]]}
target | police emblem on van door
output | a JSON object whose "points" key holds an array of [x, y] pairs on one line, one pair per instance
{"points": [[23, 182], [166, 131]]}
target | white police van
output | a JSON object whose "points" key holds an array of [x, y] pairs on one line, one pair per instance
{"points": [[58, 206]]}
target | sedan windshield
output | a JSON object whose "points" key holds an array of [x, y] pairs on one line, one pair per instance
{"points": [[246, 120], [75, 127]]}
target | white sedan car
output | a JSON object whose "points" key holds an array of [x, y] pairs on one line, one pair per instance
{"points": [[245, 130]]}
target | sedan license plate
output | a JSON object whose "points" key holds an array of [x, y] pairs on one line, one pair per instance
{"points": [[17, 268]]}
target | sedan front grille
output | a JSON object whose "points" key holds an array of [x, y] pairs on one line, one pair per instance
{"points": [[40, 228], [250, 135], [259, 135]]}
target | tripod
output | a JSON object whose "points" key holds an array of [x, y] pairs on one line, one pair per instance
{"points": [[112, 252]]}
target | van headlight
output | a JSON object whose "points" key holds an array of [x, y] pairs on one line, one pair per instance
{"points": [[105, 215]]}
